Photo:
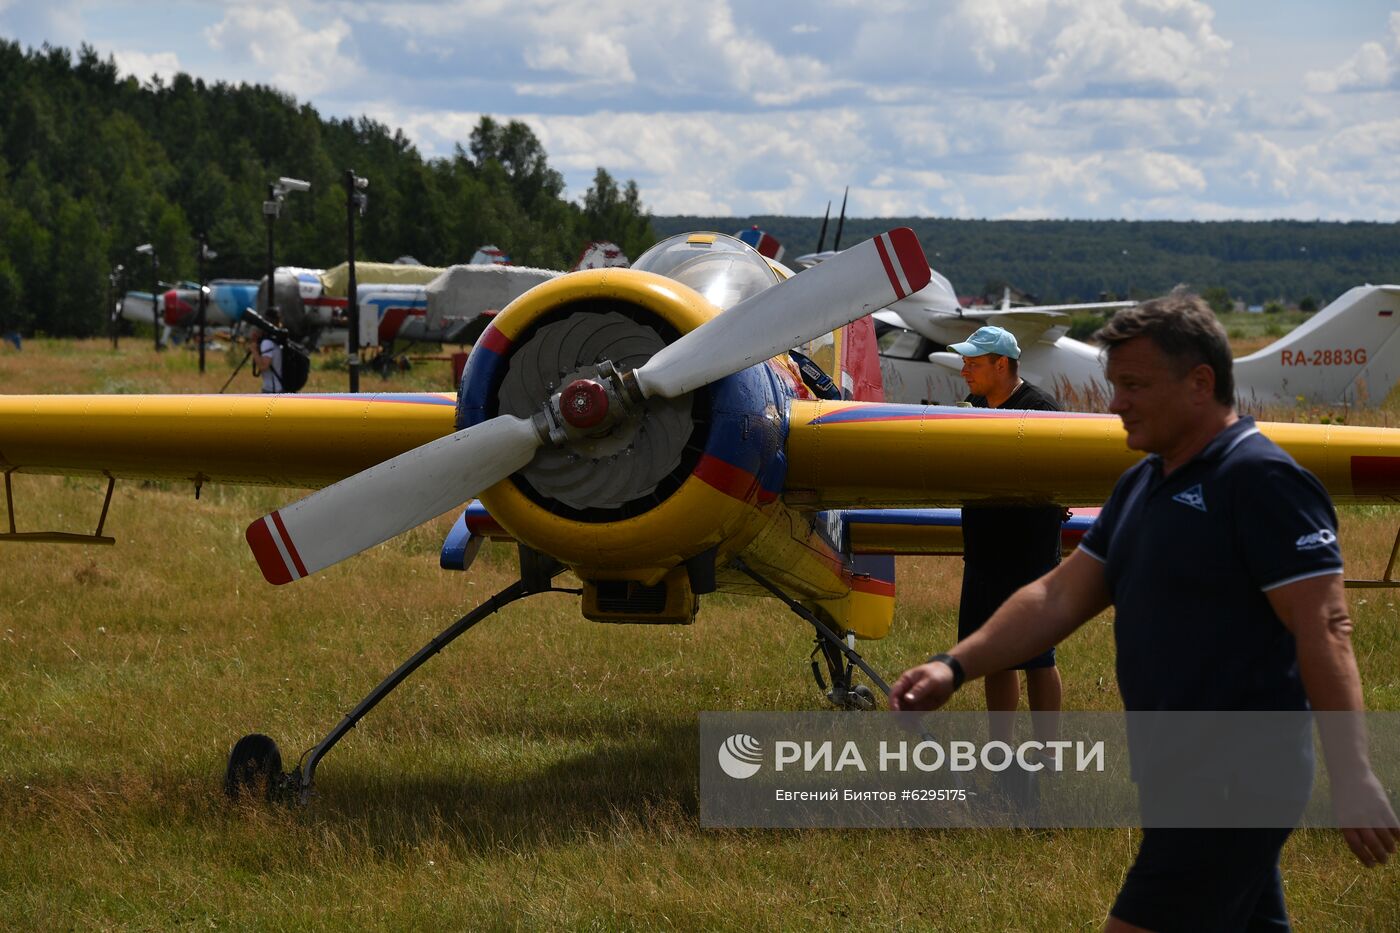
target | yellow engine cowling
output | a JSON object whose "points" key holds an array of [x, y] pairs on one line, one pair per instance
{"points": [[712, 507]]}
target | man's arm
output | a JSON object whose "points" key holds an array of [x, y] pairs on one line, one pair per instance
{"points": [[1040, 614], [1315, 612]]}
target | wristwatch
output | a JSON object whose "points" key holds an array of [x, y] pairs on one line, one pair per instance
{"points": [[954, 665]]}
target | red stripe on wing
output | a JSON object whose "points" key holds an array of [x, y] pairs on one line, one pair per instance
{"points": [[1375, 476]]}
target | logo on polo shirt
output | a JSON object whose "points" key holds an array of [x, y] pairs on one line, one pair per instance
{"points": [[1192, 497], [1320, 538]]}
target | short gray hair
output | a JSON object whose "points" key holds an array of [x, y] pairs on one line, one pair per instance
{"points": [[1185, 329]]}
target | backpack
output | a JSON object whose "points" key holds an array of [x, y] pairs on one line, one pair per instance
{"points": [[296, 368]]}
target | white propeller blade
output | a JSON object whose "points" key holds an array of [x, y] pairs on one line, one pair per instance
{"points": [[370, 507], [847, 287]]}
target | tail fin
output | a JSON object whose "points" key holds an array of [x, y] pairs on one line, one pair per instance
{"points": [[1349, 352]]}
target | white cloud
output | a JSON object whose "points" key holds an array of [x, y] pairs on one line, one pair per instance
{"points": [[142, 66], [1049, 47], [1371, 67], [593, 57], [684, 50], [1166, 46], [305, 61]]}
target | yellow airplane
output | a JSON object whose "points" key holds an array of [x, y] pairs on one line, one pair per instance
{"points": [[646, 429]]}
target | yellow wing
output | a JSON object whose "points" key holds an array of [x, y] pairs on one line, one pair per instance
{"points": [[278, 440], [872, 455], [840, 454]]}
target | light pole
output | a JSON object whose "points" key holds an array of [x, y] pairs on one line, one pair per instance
{"points": [[204, 253], [272, 207], [149, 249], [114, 282], [355, 202]]}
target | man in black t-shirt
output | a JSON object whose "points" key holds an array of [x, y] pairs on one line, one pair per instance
{"points": [[1006, 547]]}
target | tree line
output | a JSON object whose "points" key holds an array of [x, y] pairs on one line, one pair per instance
{"points": [[1058, 261], [93, 164]]}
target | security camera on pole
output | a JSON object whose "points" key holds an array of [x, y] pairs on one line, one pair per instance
{"points": [[355, 202], [272, 207], [149, 249]]}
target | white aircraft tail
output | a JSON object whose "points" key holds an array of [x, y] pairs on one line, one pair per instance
{"points": [[1348, 353]]}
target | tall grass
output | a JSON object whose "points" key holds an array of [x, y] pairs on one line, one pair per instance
{"points": [[539, 773]]}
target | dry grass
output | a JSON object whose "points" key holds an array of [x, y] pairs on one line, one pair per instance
{"points": [[539, 773]]}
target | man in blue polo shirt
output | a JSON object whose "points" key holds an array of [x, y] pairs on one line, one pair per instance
{"points": [[1219, 555]]}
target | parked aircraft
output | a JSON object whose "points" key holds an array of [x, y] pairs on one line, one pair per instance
{"points": [[601, 254], [1347, 353], [178, 307], [489, 256], [398, 302], [764, 242], [645, 429]]}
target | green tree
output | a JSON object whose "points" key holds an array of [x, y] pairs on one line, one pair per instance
{"points": [[79, 257], [517, 150], [14, 316], [610, 213], [1218, 297]]}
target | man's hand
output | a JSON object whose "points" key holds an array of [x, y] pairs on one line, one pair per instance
{"points": [[1368, 823], [925, 687]]}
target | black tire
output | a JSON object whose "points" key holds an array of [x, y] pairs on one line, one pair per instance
{"points": [[254, 765]]}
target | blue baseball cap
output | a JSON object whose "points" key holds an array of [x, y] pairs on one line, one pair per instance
{"points": [[986, 340]]}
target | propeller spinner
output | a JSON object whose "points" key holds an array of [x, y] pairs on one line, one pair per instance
{"points": [[389, 498]]}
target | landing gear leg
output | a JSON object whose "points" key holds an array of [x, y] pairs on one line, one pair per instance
{"points": [[255, 760], [842, 693], [841, 657]]}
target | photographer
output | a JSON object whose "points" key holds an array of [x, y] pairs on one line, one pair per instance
{"points": [[267, 361], [283, 364]]}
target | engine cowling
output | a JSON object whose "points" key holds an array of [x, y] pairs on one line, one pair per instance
{"points": [[678, 478]]}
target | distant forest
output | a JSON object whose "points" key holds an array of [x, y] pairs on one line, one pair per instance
{"points": [[93, 165], [1061, 261]]}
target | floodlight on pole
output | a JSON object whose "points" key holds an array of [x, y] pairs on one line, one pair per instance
{"points": [[285, 185], [272, 207], [149, 249]]}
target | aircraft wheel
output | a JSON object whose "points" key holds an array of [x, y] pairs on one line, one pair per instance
{"points": [[255, 765], [862, 697]]}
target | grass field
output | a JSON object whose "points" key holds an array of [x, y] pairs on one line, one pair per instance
{"points": [[540, 773]]}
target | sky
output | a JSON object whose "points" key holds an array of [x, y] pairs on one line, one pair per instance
{"points": [[1000, 109]]}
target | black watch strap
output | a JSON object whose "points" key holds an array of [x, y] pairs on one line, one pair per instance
{"points": [[954, 665]]}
